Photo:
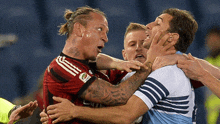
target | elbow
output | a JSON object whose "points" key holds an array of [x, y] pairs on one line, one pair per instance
{"points": [[118, 102], [122, 102]]}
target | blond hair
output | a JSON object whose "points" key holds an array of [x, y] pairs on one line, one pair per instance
{"points": [[81, 15]]}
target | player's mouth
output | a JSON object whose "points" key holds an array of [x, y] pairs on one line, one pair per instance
{"points": [[139, 56], [99, 48]]}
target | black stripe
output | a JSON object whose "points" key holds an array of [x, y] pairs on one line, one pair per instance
{"points": [[154, 87], [57, 76], [159, 84], [173, 106], [180, 103], [151, 91], [50, 97], [178, 98], [148, 96], [170, 110], [85, 86]]}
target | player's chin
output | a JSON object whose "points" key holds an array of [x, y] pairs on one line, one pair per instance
{"points": [[93, 58]]}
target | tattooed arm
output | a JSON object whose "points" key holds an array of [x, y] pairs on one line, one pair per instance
{"points": [[103, 92]]}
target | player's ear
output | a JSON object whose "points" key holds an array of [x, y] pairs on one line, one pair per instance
{"points": [[78, 29], [124, 54], [174, 37]]}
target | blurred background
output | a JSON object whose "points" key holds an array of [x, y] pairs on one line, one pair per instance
{"points": [[29, 37]]}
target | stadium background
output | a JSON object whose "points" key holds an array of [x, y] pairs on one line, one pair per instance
{"points": [[35, 22]]}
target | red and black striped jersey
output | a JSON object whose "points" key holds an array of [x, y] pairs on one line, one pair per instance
{"points": [[68, 78]]}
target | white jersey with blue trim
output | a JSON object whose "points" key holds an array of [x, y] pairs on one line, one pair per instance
{"points": [[169, 96]]}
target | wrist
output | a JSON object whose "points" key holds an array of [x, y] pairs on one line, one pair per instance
{"points": [[148, 66], [13, 109], [75, 113], [204, 75], [114, 64]]}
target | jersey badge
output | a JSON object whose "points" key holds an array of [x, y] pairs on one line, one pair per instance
{"points": [[84, 77]]}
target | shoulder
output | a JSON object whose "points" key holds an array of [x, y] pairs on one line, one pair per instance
{"points": [[169, 76], [167, 72], [68, 65]]}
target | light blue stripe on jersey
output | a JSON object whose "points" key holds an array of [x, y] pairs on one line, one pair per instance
{"points": [[154, 90], [155, 117]]}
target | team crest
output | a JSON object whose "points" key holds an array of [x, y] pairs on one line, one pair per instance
{"points": [[84, 77]]}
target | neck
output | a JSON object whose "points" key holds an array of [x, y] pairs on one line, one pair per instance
{"points": [[73, 50]]}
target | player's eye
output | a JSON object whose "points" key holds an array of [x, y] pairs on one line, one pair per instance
{"points": [[99, 29]]}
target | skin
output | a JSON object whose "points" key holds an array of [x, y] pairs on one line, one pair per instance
{"points": [[93, 38], [196, 71], [23, 112], [133, 46], [85, 43], [83, 40], [127, 113]]}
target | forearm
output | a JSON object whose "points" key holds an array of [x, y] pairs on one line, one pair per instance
{"points": [[108, 115], [211, 82], [124, 114], [215, 71], [104, 62], [105, 93]]}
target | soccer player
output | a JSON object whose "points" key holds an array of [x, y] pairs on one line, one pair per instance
{"points": [[165, 97], [70, 76]]}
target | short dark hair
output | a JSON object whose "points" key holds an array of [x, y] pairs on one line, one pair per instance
{"points": [[184, 24]]}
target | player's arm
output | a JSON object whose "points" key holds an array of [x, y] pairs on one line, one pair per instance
{"points": [[195, 70], [103, 92], [215, 71], [162, 61], [124, 114], [104, 62]]}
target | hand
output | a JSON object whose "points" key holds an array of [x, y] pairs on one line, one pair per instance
{"points": [[23, 112], [44, 117], [128, 66], [162, 61], [159, 48], [192, 68], [61, 111]]}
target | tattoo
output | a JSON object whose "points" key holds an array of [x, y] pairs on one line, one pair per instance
{"points": [[105, 93], [74, 51]]}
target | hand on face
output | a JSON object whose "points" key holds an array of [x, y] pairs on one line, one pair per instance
{"points": [[158, 47]]}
